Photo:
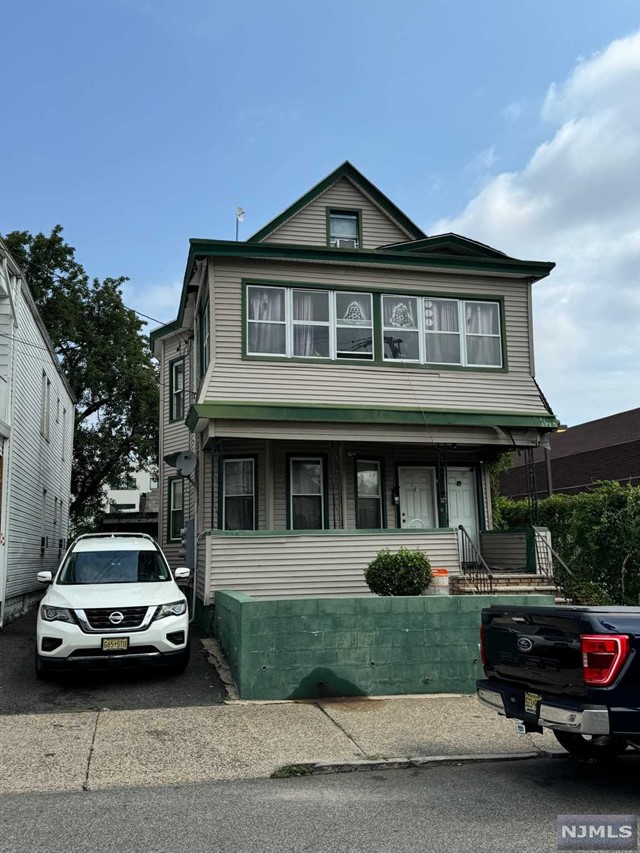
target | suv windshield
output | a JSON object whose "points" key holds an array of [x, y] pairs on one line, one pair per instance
{"points": [[89, 567]]}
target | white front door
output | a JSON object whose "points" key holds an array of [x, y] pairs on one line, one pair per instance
{"points": [[417, 489], [461, 495]]}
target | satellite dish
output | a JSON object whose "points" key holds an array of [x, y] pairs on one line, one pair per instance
{"points": [[186, 463]]}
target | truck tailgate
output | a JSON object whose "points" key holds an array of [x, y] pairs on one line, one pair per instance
{"points": [[539, 647]]}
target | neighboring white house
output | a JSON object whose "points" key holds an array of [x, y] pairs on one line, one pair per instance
{"points": [[124, 494], [36, 446]]}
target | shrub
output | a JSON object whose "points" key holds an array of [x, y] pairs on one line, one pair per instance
{"points": [[404, 573]]}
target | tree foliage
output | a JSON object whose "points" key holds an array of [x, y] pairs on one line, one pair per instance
{"points": [[597, 533], [404, 573], [106, 358]]}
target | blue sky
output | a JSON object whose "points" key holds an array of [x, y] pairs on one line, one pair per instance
{"points": [[137, 124]]}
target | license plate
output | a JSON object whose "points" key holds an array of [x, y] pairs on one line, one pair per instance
{"points": [[531, 703], [115, 644]]}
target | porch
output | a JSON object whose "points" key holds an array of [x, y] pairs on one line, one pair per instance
{"points": [[293, 518]]}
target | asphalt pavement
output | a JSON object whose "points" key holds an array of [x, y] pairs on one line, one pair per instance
{"points": [[511, 807], [22, 693]]}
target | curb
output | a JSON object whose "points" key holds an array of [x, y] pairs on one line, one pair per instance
{"points": [[314, 768]]}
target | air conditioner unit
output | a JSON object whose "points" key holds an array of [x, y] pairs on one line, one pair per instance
{"points": [[344, 242]]}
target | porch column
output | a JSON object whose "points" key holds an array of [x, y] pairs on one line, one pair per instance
{"points": [[268, 484]]}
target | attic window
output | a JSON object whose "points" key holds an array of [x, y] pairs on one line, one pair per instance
{"points": [[344, 229]]}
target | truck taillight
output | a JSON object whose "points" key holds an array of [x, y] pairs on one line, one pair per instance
{"points": [[483, 651], [602, 657]]}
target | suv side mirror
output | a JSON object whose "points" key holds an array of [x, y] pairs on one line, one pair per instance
{"points": [[182, 574], [45, 577]]}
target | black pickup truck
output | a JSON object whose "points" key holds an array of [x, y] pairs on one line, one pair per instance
{"points": [[574, 670]]}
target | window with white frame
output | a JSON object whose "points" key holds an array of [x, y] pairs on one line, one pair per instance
{"points": [[344, 229], [309, 323], [176, 398], [369, 495], [45, 411], [434, 330], [176, 508], [401, 328], [306, 493], [238, 494]]}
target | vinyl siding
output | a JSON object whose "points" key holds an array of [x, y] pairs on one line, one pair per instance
{"points": [[174, 437], [295, 565], [33, 463], [506, 550], [309, 225], [388, 433], [234, 378]]}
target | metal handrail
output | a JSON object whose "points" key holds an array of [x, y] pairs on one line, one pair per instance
{"points": [[473, 564], [547, 561]]}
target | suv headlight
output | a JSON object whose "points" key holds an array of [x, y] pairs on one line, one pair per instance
{"points": [[56, 614], [176, 608]]}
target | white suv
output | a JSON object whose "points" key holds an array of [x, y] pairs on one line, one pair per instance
{"points": [[113, 602]]}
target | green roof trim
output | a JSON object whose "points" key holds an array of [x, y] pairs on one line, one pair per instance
{"points": [[328, 413], [450, 241], [346, 170]]}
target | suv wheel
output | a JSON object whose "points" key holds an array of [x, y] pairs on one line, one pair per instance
{"points": [[180, 663], [42, 673]]}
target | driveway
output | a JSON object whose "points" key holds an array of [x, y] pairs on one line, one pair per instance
{"points": [[22, 693]]}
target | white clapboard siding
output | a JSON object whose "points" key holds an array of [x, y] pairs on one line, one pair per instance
{"points": [[291, 565], [32, 463], [389, 433], [283, 380], [309, 225], [506, 550]]}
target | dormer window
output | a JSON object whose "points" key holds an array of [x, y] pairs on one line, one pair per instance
{"points": [[344, 229]]}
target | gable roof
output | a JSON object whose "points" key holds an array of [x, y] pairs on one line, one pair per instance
{"points": [[450, 243], [346, 170]]}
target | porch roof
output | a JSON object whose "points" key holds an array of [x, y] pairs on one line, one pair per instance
{"points": [[201, 413]]}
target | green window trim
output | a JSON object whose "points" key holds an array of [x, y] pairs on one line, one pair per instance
{"points": [[376, 293], [344, 211], [221, 488], [171, 530], [323, 459], [380, 462], [173, 364]]}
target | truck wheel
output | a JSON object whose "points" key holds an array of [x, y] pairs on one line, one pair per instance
{"points": [[591, 747]]}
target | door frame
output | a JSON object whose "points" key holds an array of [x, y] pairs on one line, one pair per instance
{"points": [[473, 470], [418, 466]]}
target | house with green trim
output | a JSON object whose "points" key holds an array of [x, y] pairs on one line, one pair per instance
{"points": [[345, 381]]}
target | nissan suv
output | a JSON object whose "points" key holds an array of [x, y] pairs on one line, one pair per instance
{"points": [[114, 601]]}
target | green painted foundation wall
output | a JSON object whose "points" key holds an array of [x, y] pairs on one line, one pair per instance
{"points": [[313, 647]]}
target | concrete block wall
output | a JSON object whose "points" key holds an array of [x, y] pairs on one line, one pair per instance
{"points": [[306, 648]]}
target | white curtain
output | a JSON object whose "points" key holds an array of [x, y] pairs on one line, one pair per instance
{"points": [[266, 304], [311, 308], [443, 335], [481, 321]]}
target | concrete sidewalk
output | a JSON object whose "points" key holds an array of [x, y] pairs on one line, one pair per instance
{"points": [[95, 750]]}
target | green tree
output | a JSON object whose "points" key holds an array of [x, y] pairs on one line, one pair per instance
{"points": [[106, 358]]}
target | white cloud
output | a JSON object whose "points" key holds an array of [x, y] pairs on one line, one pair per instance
{"points": [[577, 202]]}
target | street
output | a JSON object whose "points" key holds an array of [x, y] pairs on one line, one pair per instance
{"points": [[22, 693], [510, 806]]}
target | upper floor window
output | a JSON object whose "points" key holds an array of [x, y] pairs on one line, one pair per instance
{"points": [[124, 481], [176, 390], [204, 335], [309, 323], [344, 229], [430, 330], [45, 411]]}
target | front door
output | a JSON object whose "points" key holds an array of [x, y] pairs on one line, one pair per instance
{"points": [[461, 496], [417, 489]]}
